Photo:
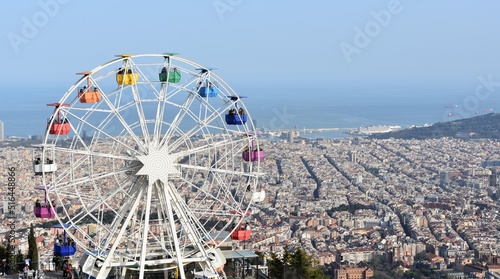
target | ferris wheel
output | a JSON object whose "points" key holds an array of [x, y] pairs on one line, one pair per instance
{"points": [[149, 160]]}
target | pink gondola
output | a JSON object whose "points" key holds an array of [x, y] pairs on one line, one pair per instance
{"points": [[44, 210]]}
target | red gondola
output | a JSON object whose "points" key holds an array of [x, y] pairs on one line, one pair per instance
{"points": [[58, 125], [46, 209], [241, 233], [88, 94]]}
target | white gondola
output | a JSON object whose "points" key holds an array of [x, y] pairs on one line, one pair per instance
{"points": [[40, 168], [42, 160], [259, 196]]}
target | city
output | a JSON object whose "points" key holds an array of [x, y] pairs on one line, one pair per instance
{"points": [[438, 197]]}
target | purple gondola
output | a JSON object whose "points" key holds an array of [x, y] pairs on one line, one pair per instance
{"points": [[45, 209], [254, 156], [253, 153]]}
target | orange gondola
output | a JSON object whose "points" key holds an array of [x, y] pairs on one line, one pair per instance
{"points": [[88, 94]]}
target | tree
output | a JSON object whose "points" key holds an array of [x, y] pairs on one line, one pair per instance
{"points": [[4, 252], [32, 249], [276, 266], [18, 265], [294, 265], [300, 262]]}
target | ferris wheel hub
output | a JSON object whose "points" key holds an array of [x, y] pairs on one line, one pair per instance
{"points": [[158, 164]]}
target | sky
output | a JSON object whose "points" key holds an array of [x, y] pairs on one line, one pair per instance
{"points": [[258, 42], [446, 45]]}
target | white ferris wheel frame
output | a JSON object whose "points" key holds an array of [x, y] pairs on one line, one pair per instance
{"points": [[150, 163]]}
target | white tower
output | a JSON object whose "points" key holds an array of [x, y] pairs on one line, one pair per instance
{"points": [[1, 131]]}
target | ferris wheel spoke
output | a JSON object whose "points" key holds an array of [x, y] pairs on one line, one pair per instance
{"points": [[164, 221], [194, 230], [202, 123], [96, 203], [69, 189], [95, 176], [221, 171], [140, 113], [160, 110], [203, 148], [169, 213], [183, 111], [226, 194], [92, 153], [120, 118], [145, 231], [123, 229], [99, 129], [222, 151]]}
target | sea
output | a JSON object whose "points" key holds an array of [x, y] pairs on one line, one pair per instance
{"points": [[24, 109]]}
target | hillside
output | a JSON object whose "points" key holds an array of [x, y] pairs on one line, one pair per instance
{"points": [[483, 126]]}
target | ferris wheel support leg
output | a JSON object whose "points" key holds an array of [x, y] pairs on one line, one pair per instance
{"points": [[192, 233], [124, 272], [160, 195], [145, 231], [120, 234], [170, 216]]}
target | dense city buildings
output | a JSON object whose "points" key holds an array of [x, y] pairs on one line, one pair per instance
{"points": [[352, 201]]}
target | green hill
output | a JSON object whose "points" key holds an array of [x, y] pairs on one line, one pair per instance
{"points": [[479, 127]]}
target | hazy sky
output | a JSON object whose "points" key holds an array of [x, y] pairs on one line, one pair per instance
{"points": [[255, 43]]}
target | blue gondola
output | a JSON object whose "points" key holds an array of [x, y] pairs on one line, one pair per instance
{"points": [[236, 119], [205, 87], [64, 251], [208, 91], [236, 116], [64, 248]]}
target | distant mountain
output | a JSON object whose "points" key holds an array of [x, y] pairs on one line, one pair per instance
{"points": [[483, 126]]}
